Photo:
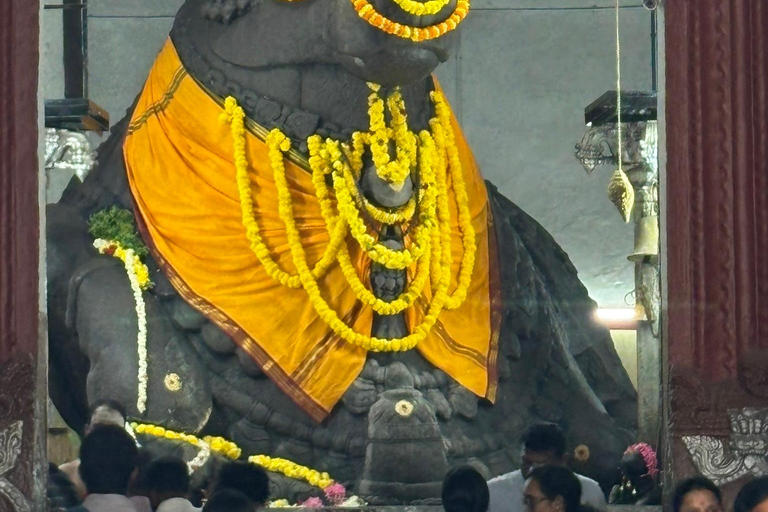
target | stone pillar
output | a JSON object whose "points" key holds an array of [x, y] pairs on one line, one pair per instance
{"points": [[716, 223], [22, 357], [640, 162], [645, 180]]}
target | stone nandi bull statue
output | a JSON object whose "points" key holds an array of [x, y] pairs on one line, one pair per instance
{"points": [[268, 154]]}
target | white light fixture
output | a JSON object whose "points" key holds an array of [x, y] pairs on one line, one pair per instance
{"points": [[617, 318]]}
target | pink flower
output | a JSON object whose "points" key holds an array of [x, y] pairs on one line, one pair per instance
{"points": [[648, 454], [335, 494], [313, 502]]}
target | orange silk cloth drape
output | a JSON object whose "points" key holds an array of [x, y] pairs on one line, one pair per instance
{"points": [[179, 161]]}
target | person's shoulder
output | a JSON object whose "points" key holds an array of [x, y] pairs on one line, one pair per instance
{"points": [[506, 479], [592, 493], [585, 480], [69, 467]]}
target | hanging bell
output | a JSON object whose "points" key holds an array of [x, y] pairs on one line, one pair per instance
{"points": [[646, 240]]}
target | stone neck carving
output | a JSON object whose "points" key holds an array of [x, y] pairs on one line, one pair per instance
{"points": [[267, 108]]}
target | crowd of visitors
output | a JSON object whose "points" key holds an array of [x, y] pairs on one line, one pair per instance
{"points": [[114, 475]]}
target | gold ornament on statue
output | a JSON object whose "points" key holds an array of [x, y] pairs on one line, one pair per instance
{"points": [[172, 382], [622, 194]]}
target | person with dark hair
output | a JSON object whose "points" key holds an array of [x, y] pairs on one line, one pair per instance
{"points": [[167, 481], [465, 490], [697, 494], [639, 470], [61, 492], [247, 478], [543, 444], [552, 489], [229, 500], [753, 497], [107, 462], [137, 488], [101, 412]]}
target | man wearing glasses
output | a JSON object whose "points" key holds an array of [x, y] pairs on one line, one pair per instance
{"points": [[543, 444]]}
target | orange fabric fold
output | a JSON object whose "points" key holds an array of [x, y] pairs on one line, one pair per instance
{"points": [[179, 162]]}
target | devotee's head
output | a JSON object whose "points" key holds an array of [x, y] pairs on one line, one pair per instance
{"points": [[249, 479], [638, 462], [60, 491], [697, 494], [229, 500], [107, 460], [753, 497], [105, 412], [552, 489], [543, 444], [465, 490], [167, 478]]}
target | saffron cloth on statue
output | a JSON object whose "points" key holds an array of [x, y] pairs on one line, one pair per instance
{"points": [[176, 142]]}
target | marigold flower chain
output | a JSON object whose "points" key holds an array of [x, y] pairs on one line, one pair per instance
{"points": [[235, 115], [421, 9], [369, 13], [462, 202], [230, 450], [429, 244]]}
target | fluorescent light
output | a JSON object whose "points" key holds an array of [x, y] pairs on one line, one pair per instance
{"points": [[614, 314]]}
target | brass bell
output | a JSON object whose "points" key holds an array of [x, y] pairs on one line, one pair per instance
{"points": [[646, 240]]}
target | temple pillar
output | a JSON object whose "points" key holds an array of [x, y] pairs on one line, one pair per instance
{"points": [[22, 325], [716, 225]]}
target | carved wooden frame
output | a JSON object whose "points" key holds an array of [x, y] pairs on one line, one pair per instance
{"points": [[22, 416], [716, 337]]}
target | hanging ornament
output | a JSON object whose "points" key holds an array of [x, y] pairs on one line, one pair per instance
{"points": [[620, 189]]}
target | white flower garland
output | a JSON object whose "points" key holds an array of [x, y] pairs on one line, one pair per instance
{"points": [[202, 457], [138, 275]]}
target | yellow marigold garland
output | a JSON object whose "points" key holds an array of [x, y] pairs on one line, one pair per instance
{"points": [[232, 451], [430, 240], [417, 284], [292, 470], [444, 130], [235, 115], [421, 9], [392, 171], [369, 13]]}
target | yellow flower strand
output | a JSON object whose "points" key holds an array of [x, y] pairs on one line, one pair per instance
{"points": [[415, 287], [431, 240], [275, 142], [292, 470], [235, 116], [422, 9], [232, 451], [469, 244], [392, 171], [369, 13], [319, 156], [379, 253]]}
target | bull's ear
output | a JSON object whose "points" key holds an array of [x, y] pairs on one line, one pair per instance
{"points": [[225, 11]]}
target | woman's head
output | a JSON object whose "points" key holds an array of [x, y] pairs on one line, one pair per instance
{"points": [[697, 494], [753, 497], [552, 489], [465, 490]]}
